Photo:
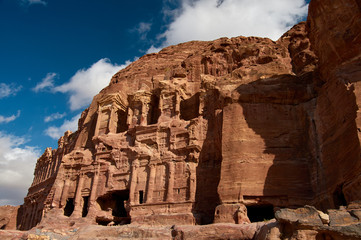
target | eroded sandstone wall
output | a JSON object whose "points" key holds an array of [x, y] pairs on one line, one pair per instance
{"points": [[266, 151], [9, 217], [335, 28], [205, 131]]}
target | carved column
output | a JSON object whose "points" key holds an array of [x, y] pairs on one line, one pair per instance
{"points": [[93, 193], [143, 118], [170, 181], [42, 173], [177, 104], [133, 183], [33, 212], [50, 165], [109, 178], [151, 179], [57, 187], [36, 175], [202, 96], [192, 182], [48, 169], [96, 133], [40, 179], [77, 201], [112, 125], [25, 221], [130, 117], [161, 103], [64, 195]]}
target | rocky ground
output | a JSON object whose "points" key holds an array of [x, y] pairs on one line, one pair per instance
{"points": [[289, 224]]}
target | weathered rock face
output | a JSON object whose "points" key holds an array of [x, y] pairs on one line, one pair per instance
{"points": [[219, 131], [311, 224], [335, 37], [9, 215]]}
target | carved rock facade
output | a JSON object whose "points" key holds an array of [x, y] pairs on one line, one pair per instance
{"points": [[220, 131]]}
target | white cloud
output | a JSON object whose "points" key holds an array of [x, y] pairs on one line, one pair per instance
{"points": [[142, 29], [7, 90], [153, 49], [9, 119], [47, 83], [57, 132], [16, 164], [54, 116], [212, 19], [30, 2], [88, 82]]}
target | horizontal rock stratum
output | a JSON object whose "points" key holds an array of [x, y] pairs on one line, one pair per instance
{"points": [[220, 131]]}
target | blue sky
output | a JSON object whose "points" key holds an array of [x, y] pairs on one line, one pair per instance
{"points": [[55, 55]]}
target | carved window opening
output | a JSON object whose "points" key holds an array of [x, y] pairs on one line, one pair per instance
{"points": [[154, 110], [3, 227], [69, 207], [104, 121], [141, 197], [323, 236], [85, 206], [102, 221], [338, 197], [189, 108], [121, 197], [114, 201], [259, 213], [92, 130], [122, 121]]}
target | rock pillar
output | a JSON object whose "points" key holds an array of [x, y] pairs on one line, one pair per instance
{"points": [[170, 181], [133, 183], [144, 115], [112, 125], [96, 133], [33, 212], [130, 117], [177, 104], [192, 182], [77, 201], [64, 195], [59, 185], [151, 179], [48, 168], [93, 193], [161, 104]]}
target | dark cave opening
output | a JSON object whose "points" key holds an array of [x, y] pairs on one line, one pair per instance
{"points": [[69, 207], [85, 206], [141, 197], [154, 113], [103, 222], [259, 213], [115, 201], [122, 121], [189, 108], [339, 197], [323, 236]]}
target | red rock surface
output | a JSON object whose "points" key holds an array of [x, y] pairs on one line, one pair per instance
{"points": [[9, 217], [335, 37], [221, 131]]}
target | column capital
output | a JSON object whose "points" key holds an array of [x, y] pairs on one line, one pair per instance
{"points": [[135, 163], [152, 165]]}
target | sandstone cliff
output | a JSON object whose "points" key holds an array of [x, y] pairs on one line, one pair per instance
{"points": [[222, 131]]}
